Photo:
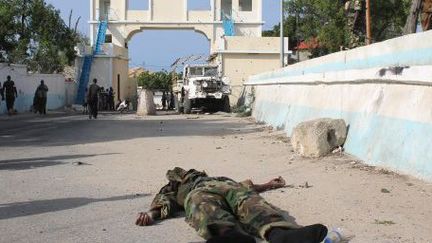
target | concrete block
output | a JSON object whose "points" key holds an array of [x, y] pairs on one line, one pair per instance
{"points": [[146, 106], [318, 137]]}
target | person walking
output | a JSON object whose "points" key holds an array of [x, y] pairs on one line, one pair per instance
{"points": [[10, 93], [41, 98], [92, 99]]}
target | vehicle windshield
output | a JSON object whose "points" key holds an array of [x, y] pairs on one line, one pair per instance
{"points": [[196, 71], [203, 71], [210, 71]]}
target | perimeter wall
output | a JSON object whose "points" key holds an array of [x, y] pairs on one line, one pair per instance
{"points": [[383, 91]]}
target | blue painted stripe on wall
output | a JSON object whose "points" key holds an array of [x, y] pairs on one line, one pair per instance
{"points": [[24, 102], [412, 57], [401, 145]]}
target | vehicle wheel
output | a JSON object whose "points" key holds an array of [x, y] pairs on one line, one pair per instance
{"points": [[187, 105], [226, 104]]}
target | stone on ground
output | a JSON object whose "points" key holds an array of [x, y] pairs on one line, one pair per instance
{"points": [[317, 138]]}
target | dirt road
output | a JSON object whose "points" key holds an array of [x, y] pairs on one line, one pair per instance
{"points": [[68, 179]]}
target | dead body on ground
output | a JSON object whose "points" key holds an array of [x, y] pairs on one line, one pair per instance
{"points": [[223, 210]]}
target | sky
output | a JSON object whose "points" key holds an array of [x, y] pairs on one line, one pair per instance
{"points": [[155, 49]]}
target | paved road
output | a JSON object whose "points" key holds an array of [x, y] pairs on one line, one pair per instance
{"points": [[47, 196]]}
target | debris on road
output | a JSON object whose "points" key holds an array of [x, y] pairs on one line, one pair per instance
{"points": [[384, 190], [384, 222], [319, 137]]}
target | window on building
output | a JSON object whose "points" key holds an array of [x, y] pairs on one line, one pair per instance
{"points": [[245, 5], [138, 4], [198, 5], [108, 38], [226, 9]]}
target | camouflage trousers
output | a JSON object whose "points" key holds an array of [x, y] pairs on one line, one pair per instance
{"points": [[220, 204]]}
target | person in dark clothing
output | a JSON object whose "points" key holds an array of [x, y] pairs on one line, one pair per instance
{"points": [[172, 101], [164, 100], [41, 98], [92, 99], [85, 103], [102, 98], [111, 99], [223, 210], [10, 93]]}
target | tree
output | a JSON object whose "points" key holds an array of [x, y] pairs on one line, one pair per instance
{"points": [[161, 80], [328, 22], [33, 33], [412, 20]]}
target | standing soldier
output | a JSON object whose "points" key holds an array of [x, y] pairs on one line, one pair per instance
{"points": [[10, 92], [92, 99], [111, 99], [222, 210], [355, 10], [41, 97]]}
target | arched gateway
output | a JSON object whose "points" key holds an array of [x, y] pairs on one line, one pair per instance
{"points": [[233, 28]]}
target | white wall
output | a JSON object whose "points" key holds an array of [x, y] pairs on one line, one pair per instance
{"points": [[389, 111], [26, 85]]}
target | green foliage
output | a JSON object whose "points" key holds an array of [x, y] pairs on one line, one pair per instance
{"points": [[33, 33], [388, 18], [156, 81], [327, 21]]}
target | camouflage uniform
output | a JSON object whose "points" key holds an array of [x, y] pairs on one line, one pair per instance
{"points": [[212, 203]]}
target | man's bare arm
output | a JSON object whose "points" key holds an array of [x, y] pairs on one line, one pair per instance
{"points": [[272, 184]]}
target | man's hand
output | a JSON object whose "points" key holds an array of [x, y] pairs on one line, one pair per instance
{"points": [[144, 219], [277, 182]]}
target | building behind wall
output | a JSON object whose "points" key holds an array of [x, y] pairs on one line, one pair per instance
{"points": [[233, 28]]}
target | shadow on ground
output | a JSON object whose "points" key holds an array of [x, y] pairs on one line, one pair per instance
{"points": [[22, 209], [83, 131], [33, 163]]}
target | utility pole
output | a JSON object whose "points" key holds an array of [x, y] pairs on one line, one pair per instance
{"points": [[282, 51], [368, 23]]}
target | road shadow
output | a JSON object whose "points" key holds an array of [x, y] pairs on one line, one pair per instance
{"points": [[22, 209], [38, 162], [110, 129]]}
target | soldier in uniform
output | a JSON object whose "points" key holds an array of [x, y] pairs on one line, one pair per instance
{"points": [[222, 210], [10, 93], [93, 99]]}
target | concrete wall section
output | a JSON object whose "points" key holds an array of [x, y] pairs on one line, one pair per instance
{"points": [[239, 66], [26, 85], [383, 91]]}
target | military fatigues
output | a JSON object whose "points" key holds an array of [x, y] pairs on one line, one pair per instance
{"points": [[212, 203], [93, 100]]}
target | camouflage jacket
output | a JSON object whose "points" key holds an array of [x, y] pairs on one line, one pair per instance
{"points": [[171, 197]]}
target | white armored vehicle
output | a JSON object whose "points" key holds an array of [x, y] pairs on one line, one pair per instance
{"points": [[202, 88]]}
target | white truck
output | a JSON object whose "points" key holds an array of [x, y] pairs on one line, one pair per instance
{"points": [[202, 87]]}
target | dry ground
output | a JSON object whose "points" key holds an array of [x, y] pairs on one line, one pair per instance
{"points": [[68, 179]]}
